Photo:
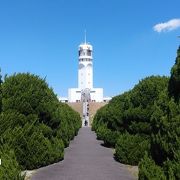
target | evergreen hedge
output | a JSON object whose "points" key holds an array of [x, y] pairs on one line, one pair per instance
{"points": [[125, 123], [9, 168], [35, 126], [147, 119], [130, 149], [148, 170]]}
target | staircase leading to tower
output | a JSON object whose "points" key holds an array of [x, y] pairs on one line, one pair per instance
{"points": [[93, 107]]}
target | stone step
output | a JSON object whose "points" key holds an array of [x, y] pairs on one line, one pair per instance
{"points": [[93, 107]]}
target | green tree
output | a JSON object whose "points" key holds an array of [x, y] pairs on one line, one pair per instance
{"points": [[131, 148], [9, 169], [0, 91], [132, 110], [174, 83], [147, 119], [148, 170], [31, 121], [165, 126], [165, 141]]}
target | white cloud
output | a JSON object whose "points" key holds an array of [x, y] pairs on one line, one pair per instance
{"points": [[167, 26]]}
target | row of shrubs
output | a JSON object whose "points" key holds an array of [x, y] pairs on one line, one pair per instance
{"points": [[34, 126], [143, 125]]}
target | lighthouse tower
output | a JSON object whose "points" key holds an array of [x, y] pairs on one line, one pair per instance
{"points": [[85, 70], [85, 91]]}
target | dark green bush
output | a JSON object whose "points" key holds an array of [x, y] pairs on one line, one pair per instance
{"points": [[131, 111], [148, 170], [165, 131], [9, 168], [174, 82], [101, 131], [69, 124], [31, 120], [130, 149], [35, 150], [165, 141], [0, 92], [110, 138], [29, 94], [148, 119], [171, 169]]}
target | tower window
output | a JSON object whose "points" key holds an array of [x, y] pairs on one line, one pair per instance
{"points": [[88, 52]]}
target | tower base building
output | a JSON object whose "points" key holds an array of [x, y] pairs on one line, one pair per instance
{"points": [[75, 95]]}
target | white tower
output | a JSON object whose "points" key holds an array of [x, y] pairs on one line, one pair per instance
{"points": [[85, 91], [85, 71]]}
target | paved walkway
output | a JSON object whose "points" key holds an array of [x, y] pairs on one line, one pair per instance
{"points": [[85, 159]]}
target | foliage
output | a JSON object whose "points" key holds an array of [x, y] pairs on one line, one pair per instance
{"points": [[165, 129], [131, 148], [165, 126], [148, 170], [69, 124], [9, 168], [109, 137], [174, 82], [31, 121], [132, 110], [0, 92], [148, 119], [28, 94], [171, 169], [129, 116]]}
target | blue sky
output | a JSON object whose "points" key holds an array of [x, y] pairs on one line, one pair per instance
{"points": [[42, 37]]}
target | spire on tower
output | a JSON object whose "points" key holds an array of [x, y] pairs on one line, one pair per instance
{"points": [[85, 36]]}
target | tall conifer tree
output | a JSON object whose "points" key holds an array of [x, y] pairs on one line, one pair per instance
{"points": [[174, 82], [0, 91]]}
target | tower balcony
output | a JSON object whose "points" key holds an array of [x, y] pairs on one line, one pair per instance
{"points": [[85, 59]]}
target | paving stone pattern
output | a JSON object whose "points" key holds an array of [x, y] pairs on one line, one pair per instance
{"points": [[85, 159]]}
